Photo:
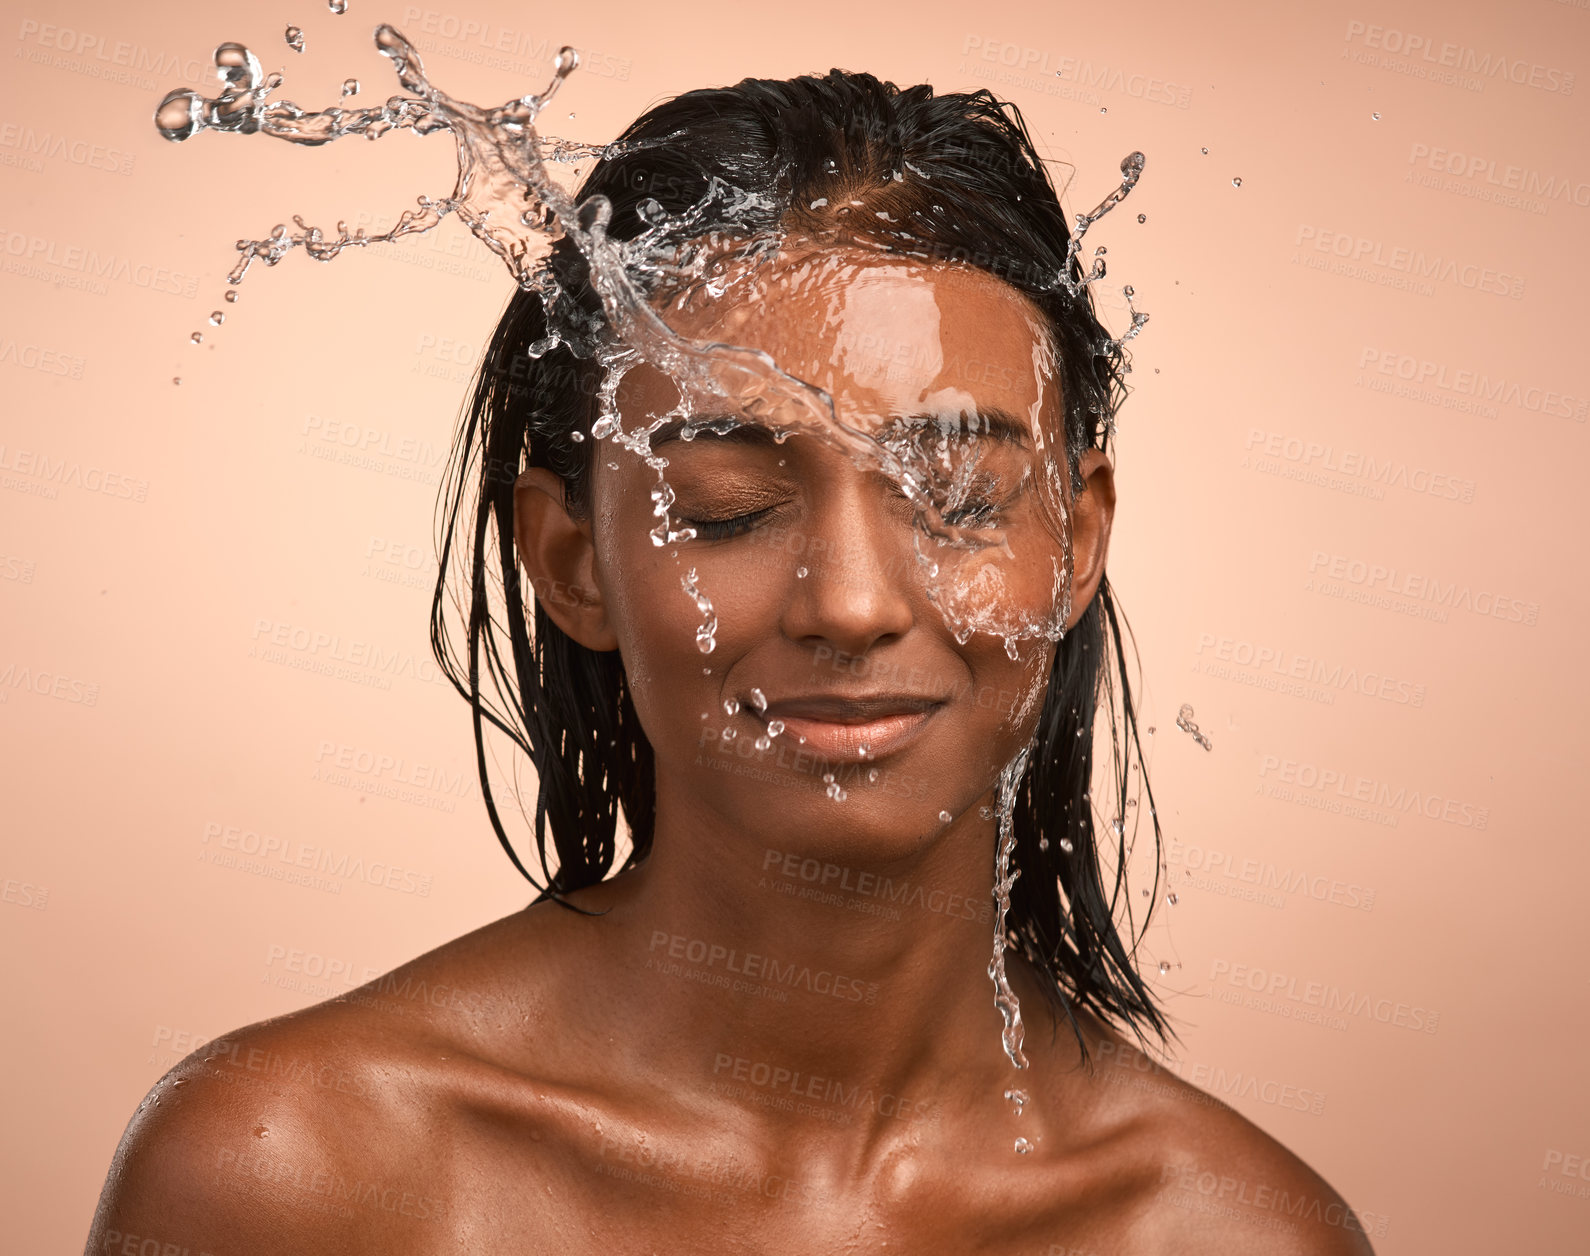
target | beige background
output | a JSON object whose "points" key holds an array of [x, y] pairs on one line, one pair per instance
{"points": [[154, 539]]}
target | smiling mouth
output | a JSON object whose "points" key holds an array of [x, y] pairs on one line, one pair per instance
{"points": [[851, 728]]}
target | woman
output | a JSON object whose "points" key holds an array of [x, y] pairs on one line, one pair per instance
{"points": [[824, 676]]}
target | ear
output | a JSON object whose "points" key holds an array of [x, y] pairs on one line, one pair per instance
{"points": [[557, 554], [1092, 511]]}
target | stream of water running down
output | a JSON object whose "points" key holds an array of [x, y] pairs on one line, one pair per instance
{"points": [[509, 197]]}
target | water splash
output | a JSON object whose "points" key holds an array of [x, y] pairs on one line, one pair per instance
{"points": [[507, 196], [1184, 721], [1005, 877], [706, 634]]}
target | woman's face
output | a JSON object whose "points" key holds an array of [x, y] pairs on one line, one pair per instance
{"points": [[825, 608]]}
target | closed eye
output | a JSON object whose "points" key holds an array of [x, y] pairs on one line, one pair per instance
{"points": [[722, 529]]}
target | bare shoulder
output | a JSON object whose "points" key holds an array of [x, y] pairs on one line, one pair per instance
{"points": [[1211, 1180], [306, 1133]]}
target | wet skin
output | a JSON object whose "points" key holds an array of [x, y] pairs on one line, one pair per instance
{"points": [[761, 1044]]}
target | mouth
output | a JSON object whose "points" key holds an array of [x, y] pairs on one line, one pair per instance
{"points": [[852, 729]]}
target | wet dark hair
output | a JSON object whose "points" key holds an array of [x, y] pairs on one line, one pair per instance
{"points": [[959, 180]]}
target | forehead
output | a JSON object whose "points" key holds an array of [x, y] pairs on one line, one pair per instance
{"points": [[887, 337]]}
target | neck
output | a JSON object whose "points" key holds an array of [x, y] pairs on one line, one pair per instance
{"points": [[800, 985]]}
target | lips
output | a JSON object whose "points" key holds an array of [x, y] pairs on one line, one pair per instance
{"points": [[852, 728]]}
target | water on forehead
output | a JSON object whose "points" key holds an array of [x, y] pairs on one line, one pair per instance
{"points": [[886, 337]]}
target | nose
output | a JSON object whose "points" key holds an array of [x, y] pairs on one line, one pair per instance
{"points": [[859, 561]]}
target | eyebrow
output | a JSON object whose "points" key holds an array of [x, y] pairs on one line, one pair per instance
{"points": [[992, 422]]}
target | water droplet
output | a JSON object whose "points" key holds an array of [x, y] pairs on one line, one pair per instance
{"points": [[350, 87], [1067, 845], [1023, 1147], [758, 699], [945, 817], [731, 706], [800, 573], [764, 742], [1375, 116], [728, 734], [1164, 967], [1184, 721], [337, 6], [775, 727], [865, 750], [1204, 151], [1043, 842], [1171, 898], [872, 776], [1142, 218], [176, 379], [1237, 181], [295, 39], [576, 436], [217, 318], [231, 294], [260, 1131], [197, 338], [1103, 109]]}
